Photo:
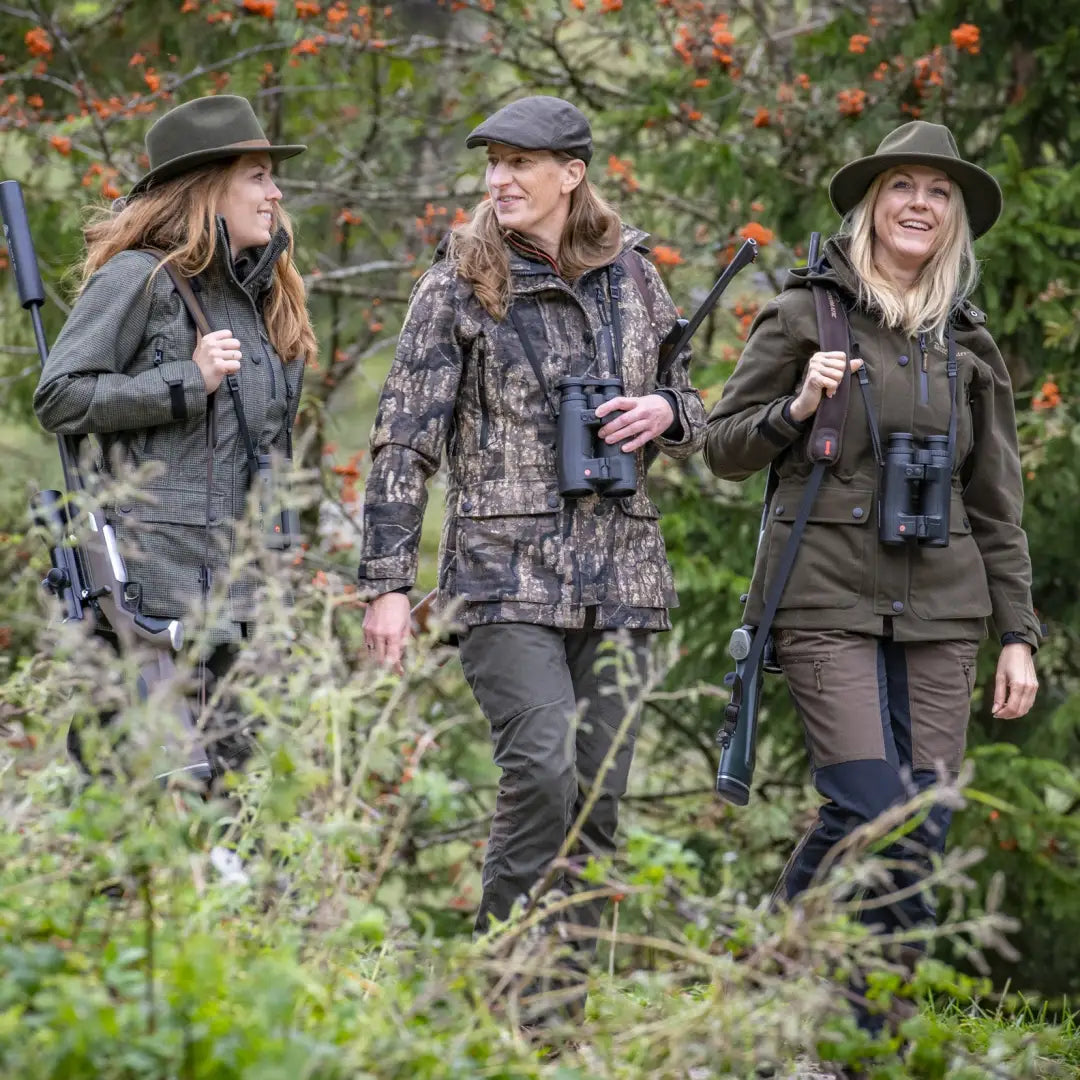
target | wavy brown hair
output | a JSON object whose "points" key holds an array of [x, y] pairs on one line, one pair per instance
{"points": [[178, 217], [592, 237]]}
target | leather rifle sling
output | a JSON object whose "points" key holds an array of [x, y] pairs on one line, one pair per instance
{"points": [[823, 449]]}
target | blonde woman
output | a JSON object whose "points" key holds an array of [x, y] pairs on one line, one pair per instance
{"points": [[896, 576], [130, 368], [545, 283]]}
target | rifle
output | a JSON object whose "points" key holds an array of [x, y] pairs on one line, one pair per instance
{"points": [[751, 647], [685, 329], [88, 575]]}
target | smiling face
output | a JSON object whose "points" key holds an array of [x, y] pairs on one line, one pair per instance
{"points": [[911, 215], [249, 206], [530, 191]]}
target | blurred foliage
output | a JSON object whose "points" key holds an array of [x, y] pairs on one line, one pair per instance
{"points": [[713, 119]]}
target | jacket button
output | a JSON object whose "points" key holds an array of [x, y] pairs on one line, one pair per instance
{"points": [[857, 512], [898, 606], [125, 509], [553, 502], [967, 524], [466, 505], [779, 510], [256, 359], [902, 361]]}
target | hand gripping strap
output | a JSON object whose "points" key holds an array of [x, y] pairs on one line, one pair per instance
{"points": [[827, 433]]}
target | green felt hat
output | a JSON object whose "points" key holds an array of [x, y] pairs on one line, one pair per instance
{"points": [[921, 143], [204, 130]]}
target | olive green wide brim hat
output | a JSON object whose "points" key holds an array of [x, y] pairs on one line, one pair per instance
{"points": [[921, 143], [202, 131]]}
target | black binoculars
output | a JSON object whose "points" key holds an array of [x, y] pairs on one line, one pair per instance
{"points": [[587, 465], [282, 523], [916, 491]]}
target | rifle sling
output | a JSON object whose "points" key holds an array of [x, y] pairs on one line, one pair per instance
{"points": [[824, 451], [827, 434], [198, 316]]}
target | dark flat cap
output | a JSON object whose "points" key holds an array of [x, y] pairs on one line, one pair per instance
{"points": [[537, 123]]}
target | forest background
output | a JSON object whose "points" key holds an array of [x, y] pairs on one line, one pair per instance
{"points": [[714, 120]]}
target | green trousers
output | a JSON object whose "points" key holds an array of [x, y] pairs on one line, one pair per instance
{"points": [[555, 700]]}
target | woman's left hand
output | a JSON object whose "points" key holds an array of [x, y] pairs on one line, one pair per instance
{"points": [[640, 420], [1015, 683]]}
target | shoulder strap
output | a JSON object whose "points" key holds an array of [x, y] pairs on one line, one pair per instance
{"points": [[187, 293], [827, 433], [198, 315], [534, 360], [631, 261]]}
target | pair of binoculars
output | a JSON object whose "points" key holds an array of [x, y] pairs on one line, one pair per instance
{"points": [[916, 491], [586, 464], [282, 523]]}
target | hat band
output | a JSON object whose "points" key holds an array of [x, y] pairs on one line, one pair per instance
{"points": [[245, 143]]}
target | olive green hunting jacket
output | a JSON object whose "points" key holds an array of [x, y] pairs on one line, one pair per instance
{"points": [[122, 370], [513, 549], [843, 577]]}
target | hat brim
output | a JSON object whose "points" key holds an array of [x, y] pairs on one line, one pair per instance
{"points": [[186, 162], [982, 195], [508, 139]]}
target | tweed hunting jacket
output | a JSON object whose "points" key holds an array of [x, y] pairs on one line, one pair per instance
{"points": [[843, 577], [513, 549], [122, 370]]}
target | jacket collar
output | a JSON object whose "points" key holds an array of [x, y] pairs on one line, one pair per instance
{"points": [[528, 260], [253, 268]]}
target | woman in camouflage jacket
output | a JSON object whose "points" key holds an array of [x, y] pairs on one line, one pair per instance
{"points": [[877, 640], [130, 368], [540, 580]]}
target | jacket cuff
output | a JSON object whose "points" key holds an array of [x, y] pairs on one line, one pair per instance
{"points": [[185, 389], [777, 426], [676, 431]]}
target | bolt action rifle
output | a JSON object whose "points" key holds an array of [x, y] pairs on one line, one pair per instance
{"points": [[88, 576], [751, 647]]}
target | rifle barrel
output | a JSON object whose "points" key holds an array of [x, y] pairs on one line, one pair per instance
{"points": [[746, 254]]}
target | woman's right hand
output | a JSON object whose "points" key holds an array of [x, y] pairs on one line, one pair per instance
{"points": [[823, 375], [217, 355], [387, 628]]}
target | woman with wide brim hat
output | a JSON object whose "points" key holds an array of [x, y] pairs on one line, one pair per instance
{"points": [[914, 539], [131, 368]]}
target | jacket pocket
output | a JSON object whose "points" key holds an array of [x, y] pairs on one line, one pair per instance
{"points": [[507, 542], [835, 551], [641, 573], [950, 582], [163, 541]]}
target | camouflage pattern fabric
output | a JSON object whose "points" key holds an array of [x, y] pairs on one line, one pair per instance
{"points": [[108, 375], [513, 549]]}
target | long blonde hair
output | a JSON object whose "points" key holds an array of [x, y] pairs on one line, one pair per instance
{"points": [[179, 218], [592, 237], [948, 276]]}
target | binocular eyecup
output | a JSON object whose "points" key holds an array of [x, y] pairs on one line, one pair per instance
{"points": [[586, 464]]}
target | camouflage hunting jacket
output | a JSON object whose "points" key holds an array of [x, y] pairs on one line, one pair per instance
{"points": [[122, 370], [513, 549]]}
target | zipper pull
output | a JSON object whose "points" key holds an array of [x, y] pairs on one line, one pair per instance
{"points": [[922, 351]]}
